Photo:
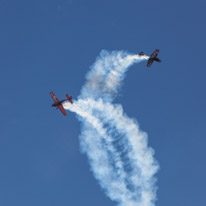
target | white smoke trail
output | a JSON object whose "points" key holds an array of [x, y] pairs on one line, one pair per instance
{"points": [[117, 150], [107, 73]]}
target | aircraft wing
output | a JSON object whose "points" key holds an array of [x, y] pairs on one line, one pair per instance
{"points": [[155, 53], [149, 63], [54, 97], [61, 108]]}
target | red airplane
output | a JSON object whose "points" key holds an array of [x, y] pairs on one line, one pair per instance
{"points": [[58, 103], [152, 58]]}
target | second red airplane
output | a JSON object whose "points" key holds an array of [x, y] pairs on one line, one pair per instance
{"points": [[152, 57], [58, 103]]}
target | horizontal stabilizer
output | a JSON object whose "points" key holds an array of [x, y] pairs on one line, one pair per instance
{"points": [[69, 98]]}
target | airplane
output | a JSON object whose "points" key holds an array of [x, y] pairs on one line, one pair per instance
{"points": [[58, 103], [152, 58]]}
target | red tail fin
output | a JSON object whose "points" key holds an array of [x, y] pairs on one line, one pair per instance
{"points": [[69, 98]]}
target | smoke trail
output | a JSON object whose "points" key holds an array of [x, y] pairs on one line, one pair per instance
{"points": [[117, 150], [107, 73]]}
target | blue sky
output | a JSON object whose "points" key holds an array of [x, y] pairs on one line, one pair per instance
{"points": [[50, 45]]}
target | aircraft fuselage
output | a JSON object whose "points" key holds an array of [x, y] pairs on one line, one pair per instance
{"points": [[58, 103], [156, 59]]}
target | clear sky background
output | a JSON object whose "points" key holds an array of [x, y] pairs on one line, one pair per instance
{"points": [[49, 45]]}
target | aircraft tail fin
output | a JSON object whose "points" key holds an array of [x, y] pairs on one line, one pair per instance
{"points": [[69, 98], [141, 53]]}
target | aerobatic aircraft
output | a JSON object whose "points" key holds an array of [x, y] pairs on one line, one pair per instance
{"points": [[58, 103], [152, 58]]}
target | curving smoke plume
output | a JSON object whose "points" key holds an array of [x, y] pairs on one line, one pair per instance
{"points": [[117, 149]]}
